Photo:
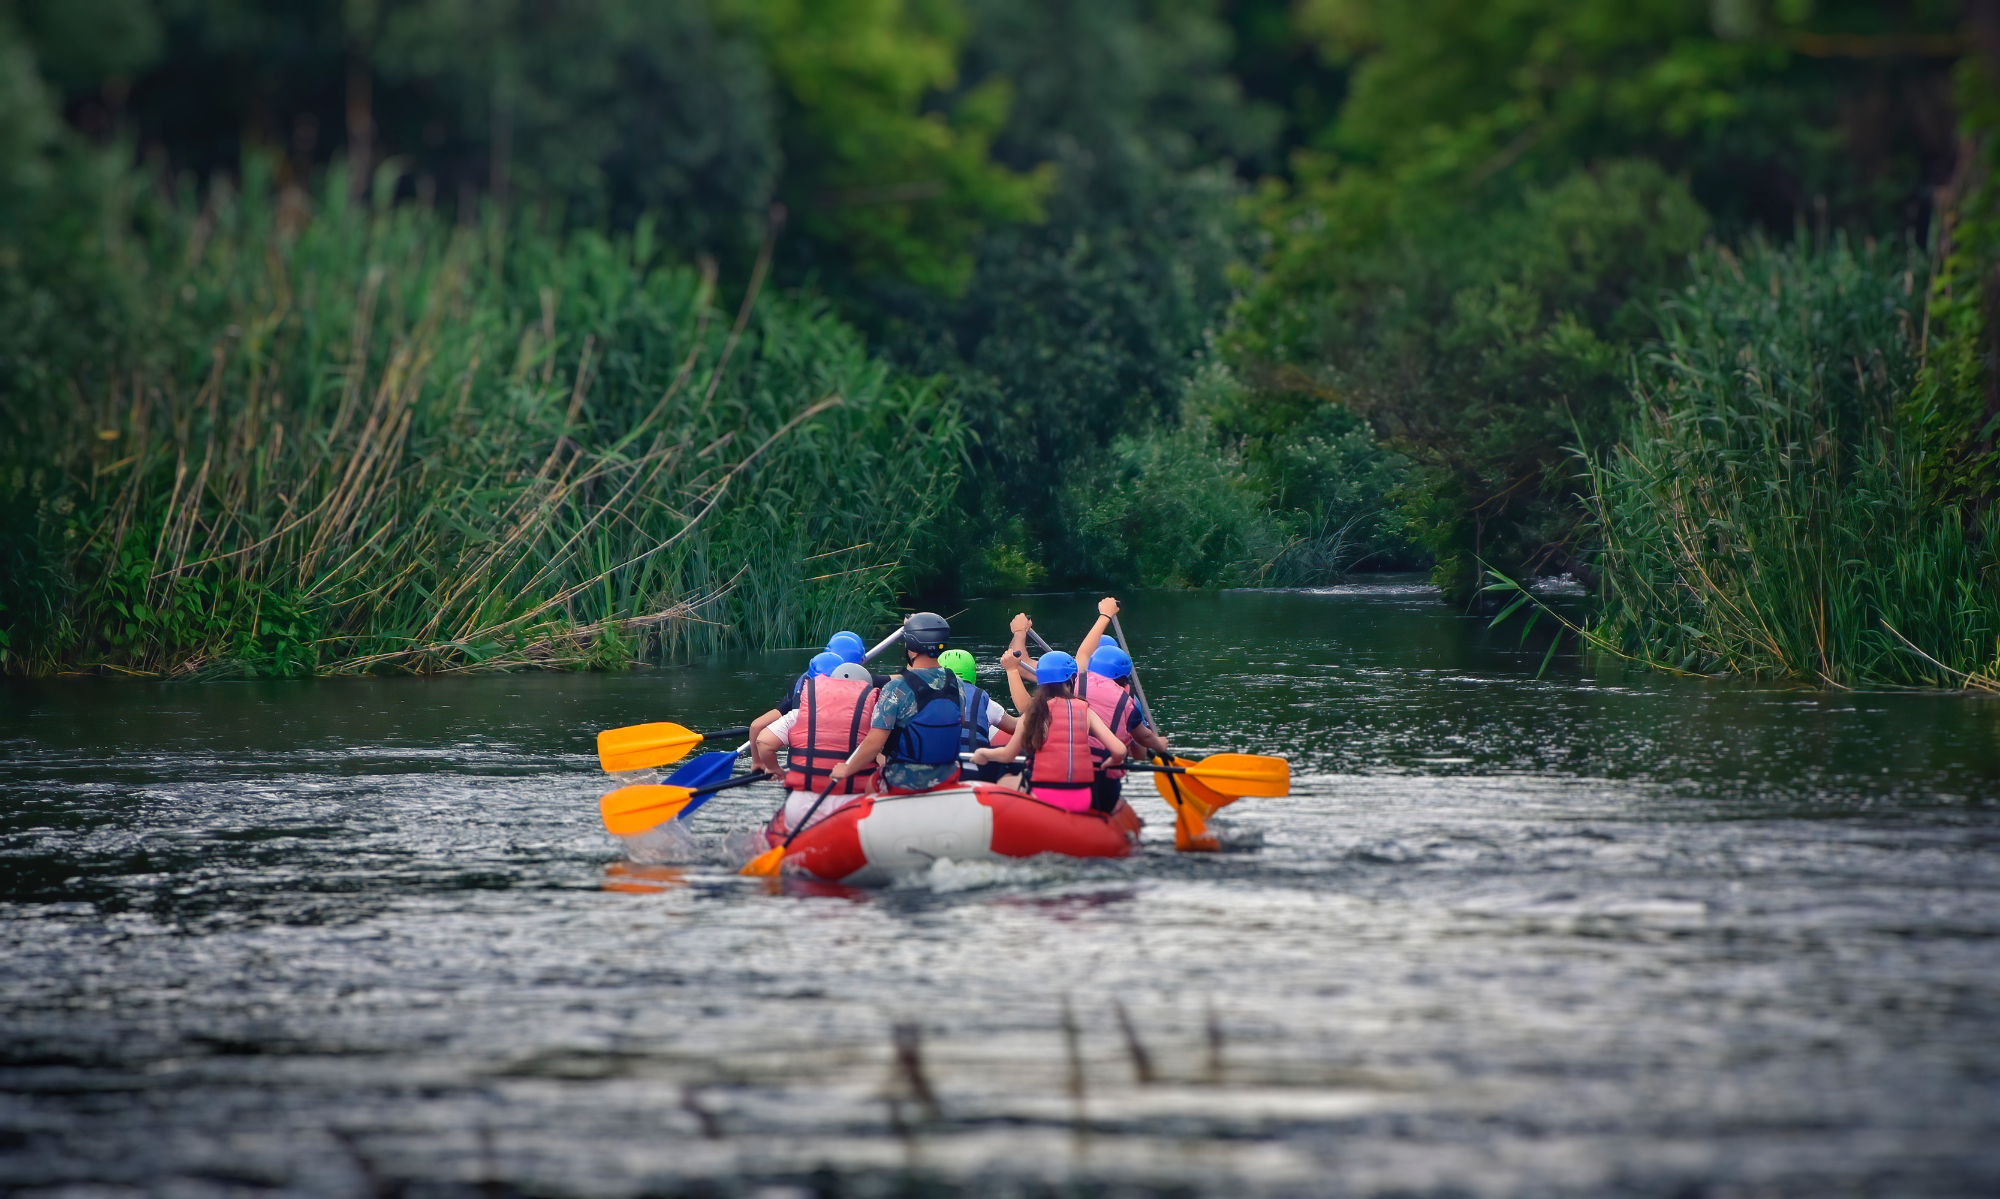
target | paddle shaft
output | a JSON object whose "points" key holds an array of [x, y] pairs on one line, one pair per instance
{"points": [[701, 798], [1146, 710], [700, 795], [810, 812], [885, 643]]}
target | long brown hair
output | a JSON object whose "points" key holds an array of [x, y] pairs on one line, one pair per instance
{"points": [[1035, 721]]}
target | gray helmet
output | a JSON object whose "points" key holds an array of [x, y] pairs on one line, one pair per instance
{"points": [[852, 670], [926, 632]]}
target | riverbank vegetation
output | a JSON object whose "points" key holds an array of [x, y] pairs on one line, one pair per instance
{"points": [[404, 337]]}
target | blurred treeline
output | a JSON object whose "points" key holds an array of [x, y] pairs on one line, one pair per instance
{"points": [[1163, 292]]}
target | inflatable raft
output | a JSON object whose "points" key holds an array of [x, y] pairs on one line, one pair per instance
{"points": [[877, 838]]}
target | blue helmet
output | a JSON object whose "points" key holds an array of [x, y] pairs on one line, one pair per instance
{"points": [[823, 664], [848, 645], [1111, 662], [1107, 639], [1057, 667]]}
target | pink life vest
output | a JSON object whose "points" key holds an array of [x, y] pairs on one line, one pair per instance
{"points": [[1064, 759], [834, 715], [1113, 704]]}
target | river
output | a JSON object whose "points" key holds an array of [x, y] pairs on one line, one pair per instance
{"points": [[1605, 933]]}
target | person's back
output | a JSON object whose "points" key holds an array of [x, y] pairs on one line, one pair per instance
{"points": [[1061, 761], [1114, 705], [922, 706], [831, 716], [916, 723]]}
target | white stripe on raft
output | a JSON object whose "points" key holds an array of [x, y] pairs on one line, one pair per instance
{"points": [[877, 838]]}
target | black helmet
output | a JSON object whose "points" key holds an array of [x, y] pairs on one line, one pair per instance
{"points": [[926, 631]]}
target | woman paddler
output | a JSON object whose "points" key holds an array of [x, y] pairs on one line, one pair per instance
{"points": [[830, 718], [1056, 731]]}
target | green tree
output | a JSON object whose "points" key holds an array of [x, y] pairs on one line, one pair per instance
{"points": [[1088, 325]]}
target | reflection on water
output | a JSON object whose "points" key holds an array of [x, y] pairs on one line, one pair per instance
{"points": [[1600, 933]]}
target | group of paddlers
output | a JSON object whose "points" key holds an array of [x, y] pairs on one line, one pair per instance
{"points": [[848, 731]]}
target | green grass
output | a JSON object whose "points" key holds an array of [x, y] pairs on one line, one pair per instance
{"points": [[1765, 514], [337, 437]]}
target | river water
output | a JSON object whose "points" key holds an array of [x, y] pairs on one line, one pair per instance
{"points": [[1603, 933]]}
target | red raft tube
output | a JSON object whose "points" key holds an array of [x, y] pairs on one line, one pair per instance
{"points": [[879, 838]]}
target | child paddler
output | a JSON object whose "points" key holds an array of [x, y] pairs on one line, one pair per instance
{"points": [[1107, 687], [829, 720], [1058, 733], [916, 722]]}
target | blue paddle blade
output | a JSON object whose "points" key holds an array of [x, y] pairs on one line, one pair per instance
{"points": [[703, 770]]}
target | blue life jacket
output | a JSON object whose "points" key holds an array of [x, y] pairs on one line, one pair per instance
{"points": [[931, 736], [973, 730]]}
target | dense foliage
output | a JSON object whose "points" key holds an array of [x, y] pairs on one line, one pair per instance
{"points": [[1767, 513], [1158, 292], [371, 439]]}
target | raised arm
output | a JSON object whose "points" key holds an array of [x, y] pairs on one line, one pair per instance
{"points": [[1016, 662], [1106, 609]]}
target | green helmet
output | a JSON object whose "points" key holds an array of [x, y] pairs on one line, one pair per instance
{"points": [[960, 663]]}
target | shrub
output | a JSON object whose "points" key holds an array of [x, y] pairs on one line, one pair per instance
{"points": [[1765, 513]]}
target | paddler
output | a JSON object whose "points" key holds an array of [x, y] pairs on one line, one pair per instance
{"points": [[978, 713], [1107, 687], [1059, 734], [916, 722], [846, 645], [818, 733]]}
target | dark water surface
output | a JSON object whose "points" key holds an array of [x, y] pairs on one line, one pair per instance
{"points": [[1598, 934]]}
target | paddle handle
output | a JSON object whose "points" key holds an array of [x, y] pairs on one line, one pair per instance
{"points": [[701, 794], [1040, 640], [728, 734]]}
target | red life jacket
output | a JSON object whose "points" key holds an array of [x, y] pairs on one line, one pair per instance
{"points": [[833, 718], [1064, 759], [1113, 705]]}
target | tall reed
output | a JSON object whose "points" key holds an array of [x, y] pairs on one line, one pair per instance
{"points": [[1765, 515], [354, 437]]}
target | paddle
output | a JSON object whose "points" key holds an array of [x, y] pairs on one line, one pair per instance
{"points": [[644, 746], [1231, 776], [707, 768], [1190, 826], [885, 643], [766, 864], [630, 810]]}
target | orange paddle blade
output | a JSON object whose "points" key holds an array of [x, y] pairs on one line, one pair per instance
{"points": [[631, 810], [1238, 775], [1191, 833], [1193, 792], [643, 746], [766, 864]]}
